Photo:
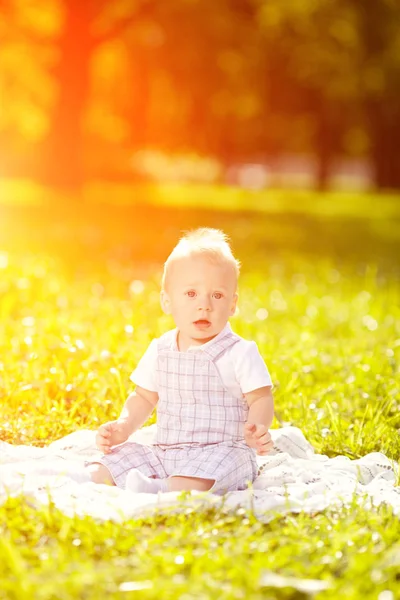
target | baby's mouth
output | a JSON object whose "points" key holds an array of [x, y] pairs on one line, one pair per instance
{"points": [[203, 322]]}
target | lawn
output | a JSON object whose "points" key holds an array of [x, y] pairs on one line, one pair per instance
{"points": [[319, 292]]}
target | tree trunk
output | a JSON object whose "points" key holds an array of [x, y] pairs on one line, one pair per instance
{"points": [[385, 134], [324, 143], [61, 163], [379, 21]]}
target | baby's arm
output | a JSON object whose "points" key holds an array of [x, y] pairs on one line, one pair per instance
{"points": [[259, 419], [261, 406], [137, 409]]}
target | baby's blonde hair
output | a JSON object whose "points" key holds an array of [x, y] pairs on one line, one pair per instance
{"points": [[204, 241]]}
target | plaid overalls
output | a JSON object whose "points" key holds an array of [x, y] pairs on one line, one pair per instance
{"points": [[199, 423]]}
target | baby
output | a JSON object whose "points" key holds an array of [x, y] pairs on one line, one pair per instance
{"points": [[211, 387]]}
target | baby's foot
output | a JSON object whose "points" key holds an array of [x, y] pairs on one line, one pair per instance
{"points": [[137, 482]]}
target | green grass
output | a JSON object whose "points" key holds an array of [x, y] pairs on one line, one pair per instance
{"points": [[212, 554], [320, 296]]}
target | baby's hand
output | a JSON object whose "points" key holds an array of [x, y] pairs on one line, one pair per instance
{"points": [[257, 436], [110, 434]]}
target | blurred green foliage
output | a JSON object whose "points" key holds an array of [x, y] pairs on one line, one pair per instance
{"points": [[86, 84]]}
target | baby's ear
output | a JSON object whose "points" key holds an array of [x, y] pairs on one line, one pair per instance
{"points": [[234, 304], [165, 302]]}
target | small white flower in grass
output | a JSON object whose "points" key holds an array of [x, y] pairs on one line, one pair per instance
{"points": [[134, 586], [386, 595], [28, 321], [277, 301], [3, 260], [128, 329], [311, 311], [307, 586], [114, 371], [370, 323], [105, 354], [136, 287], [364, 296], [79, 344], [179, 560], [77, 542], [28, 341], [23, 283], [376, 575], [262, 314]]}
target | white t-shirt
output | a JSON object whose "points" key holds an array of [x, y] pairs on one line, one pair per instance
{"points": [[241, 368]]}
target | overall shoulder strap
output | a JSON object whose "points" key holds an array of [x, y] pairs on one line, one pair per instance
{"points": [[167, 341], [214, 350]]}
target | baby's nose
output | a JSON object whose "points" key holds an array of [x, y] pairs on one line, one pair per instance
{"points": [[204, 303]]}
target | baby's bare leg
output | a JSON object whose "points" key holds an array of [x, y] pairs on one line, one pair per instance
{"points": [[175, 484], [100, 474]]}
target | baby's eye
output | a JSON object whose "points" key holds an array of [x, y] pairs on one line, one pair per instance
{"points": [[217, 295], [191, 293]]}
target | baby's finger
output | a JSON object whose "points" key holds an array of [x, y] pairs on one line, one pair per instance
{"points": [[105, 443], [264, 449], [102, 439], [102, 442], [263, 439], [263, 452], [103, 431], [261, 430]]}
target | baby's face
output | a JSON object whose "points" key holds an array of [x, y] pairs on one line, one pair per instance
{"points": [[201, 296]]}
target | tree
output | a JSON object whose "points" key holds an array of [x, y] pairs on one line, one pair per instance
{"points": [[341, 59], [64, 164], [379, 26], [193, 37]]}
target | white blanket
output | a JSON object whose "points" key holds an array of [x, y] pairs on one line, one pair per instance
{"points": [[292, 478]]}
